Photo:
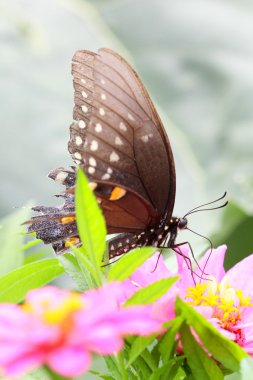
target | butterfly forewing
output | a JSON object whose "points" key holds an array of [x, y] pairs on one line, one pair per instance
{"points": [[121, 142]]}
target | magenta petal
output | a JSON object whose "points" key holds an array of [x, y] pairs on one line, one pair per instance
{"points": [[152, 270], [206, 311], [104, 338], [240, 276], [23, 364], [213, 264], [69, 361], [138, 320]]}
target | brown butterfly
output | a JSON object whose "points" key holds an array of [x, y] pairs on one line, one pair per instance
{"points": [[119, 141]]}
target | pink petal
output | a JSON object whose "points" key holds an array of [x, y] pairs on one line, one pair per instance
{"points": [[69, 361], [103, 339], [206, 311], [240, 276], [23, 364], [138, 320], [213, 264], [152, 270]]}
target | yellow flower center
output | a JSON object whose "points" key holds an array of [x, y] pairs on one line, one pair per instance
{"points": [[227, 303], [52, 311]]}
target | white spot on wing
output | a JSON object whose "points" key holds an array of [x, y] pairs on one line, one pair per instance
{"points": [[61, 176], [98, 128], [102, 81], [109, 170], [78, 140], [91, 170], [94, 145], [106, 176], [145, 138], [103, 96], [84, 94], [81, 124], [114, 157], [123, 126], [130, 116], [77, 155], [83, 81], [101, 111], [118, 141], [92, 161], [84, 109]]}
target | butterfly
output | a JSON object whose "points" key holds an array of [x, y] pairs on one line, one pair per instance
{"points": [[118, 139]]}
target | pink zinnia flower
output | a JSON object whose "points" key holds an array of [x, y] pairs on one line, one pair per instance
{"points": [[62, 329], [225, 299]]}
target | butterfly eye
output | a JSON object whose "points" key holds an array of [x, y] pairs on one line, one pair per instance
{"points": [[182, 223]]}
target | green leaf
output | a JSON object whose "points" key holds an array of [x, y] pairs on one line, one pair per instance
{"points": [[152, 292], [154, 351], [89, 271], [11, 240], [29, 245], [203, 367], [138, 345], [142, 368], [149, 360], [179, 375], [90, 221], [127, 264], [169, 369], [112, 367], [168, 342], [101, 375], [15, 285], [223, 349], [139, 357], [72, 268]]}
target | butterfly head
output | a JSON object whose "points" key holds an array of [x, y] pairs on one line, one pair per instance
{"points": [[182, 223]]}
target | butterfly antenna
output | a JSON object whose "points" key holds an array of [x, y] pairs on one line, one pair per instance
{"points": [[196, 209], [207, 209]]}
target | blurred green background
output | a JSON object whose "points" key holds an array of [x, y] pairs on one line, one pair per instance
{"points": [[196, 59]]}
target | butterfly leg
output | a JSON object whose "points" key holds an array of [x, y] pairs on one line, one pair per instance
{"points": [[187, 259]]}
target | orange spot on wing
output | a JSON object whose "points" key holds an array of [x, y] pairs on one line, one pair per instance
{"points": [[68, 219], [72, 240], [117, 193]]}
